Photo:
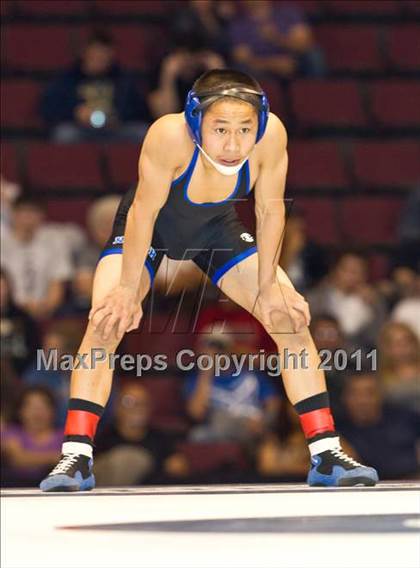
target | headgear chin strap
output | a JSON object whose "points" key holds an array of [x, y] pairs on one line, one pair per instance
{"points": [[194, 108]]}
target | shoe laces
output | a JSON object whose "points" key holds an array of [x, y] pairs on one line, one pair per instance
{"points": [[338, 453], [66, 462]]}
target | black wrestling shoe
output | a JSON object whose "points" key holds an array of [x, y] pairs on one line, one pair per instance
{"points": [[72, 473]]}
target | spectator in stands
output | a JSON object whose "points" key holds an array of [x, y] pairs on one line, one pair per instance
{"points": [[346, 295], [385, 435], [9, 191], [402, 290], [130, 451], [100, 218], [250, 335], [283, 452], [172, 81], [19, 334], [228, 407], [37, 265], [31, 445], [399, 364], [207, 20], [329, 338], [407, 310], [61, 338], [95, 99], [275, 39], [173, 276], [302, 259]]}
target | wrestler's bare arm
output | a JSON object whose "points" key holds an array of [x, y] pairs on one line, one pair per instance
{"points": [[270, 214], [162, 153], [269, 198], [159, 158]]}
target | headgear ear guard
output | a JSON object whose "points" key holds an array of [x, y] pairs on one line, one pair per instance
{"points": [[194, 108]]}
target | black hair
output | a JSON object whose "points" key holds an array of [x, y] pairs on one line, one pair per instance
{"points": [[102, 37], [28, 200], [28, 391], [217, 80], [355, 375], [324, 317], [356, 252]]}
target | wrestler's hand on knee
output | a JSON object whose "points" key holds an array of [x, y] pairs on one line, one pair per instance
{"points": [[120, 309], [278, 303]]}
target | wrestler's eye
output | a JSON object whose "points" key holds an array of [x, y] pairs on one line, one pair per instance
{"points": [[221, 130], [245, 130]]}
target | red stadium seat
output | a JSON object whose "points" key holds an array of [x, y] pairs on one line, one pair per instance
{"points": [[54, 167], [318, 104], [41, 48], [321, 218], [350, 48], [167, 403], [72, 210], [411, 6], [387, 164], [276, 97], [363, 7], [310, 7], [370, 220], [315, 165], [55, 8], [19, 104], [156, 332], [140, 47], [10, 167], [133, 7], [207, 458], [404, 47], [122, 162], [6, 8], [396, 104]]}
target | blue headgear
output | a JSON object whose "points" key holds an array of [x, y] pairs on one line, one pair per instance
{"points": [[194, 108]]}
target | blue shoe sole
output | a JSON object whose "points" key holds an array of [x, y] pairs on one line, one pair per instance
{"points": [[64, 483]]}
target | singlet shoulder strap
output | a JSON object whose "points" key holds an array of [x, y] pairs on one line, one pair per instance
{"points": [[186, 175], [247, 177]]}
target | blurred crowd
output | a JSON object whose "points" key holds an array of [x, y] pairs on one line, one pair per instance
{"points": [[220, 428], [367, 332], [98, 99]]}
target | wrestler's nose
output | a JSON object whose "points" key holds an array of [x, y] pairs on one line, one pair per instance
{"points": [[232, 143]]}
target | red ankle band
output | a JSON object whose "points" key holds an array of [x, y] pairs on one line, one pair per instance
{"points": [[81, 423], [316, 422]]}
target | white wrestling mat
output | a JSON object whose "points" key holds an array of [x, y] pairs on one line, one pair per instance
{"points": [[218, 526]]}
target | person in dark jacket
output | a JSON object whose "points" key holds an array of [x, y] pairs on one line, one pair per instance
{"points": [[95, 98]]}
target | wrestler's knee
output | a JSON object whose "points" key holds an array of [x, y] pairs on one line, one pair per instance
{"points": [[93, 339]]}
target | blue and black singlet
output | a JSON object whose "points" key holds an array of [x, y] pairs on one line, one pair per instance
{"points": [[210, 234]]}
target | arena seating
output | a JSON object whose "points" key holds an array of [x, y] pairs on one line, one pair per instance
{"points": [[19, 104], [122, 162], [353, 48], [316, 165], [51, 167], [56, 8], [370, 220], [371, 89], [380, 164], [204, 458], [10, 167], [395, 104], [404, 47], [323, 110]]}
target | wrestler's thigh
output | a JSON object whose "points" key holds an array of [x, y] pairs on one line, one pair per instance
{"points": [[107, 276], [240, 283]]}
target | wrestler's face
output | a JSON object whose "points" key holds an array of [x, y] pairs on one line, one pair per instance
{"points": [[229, 130]]}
